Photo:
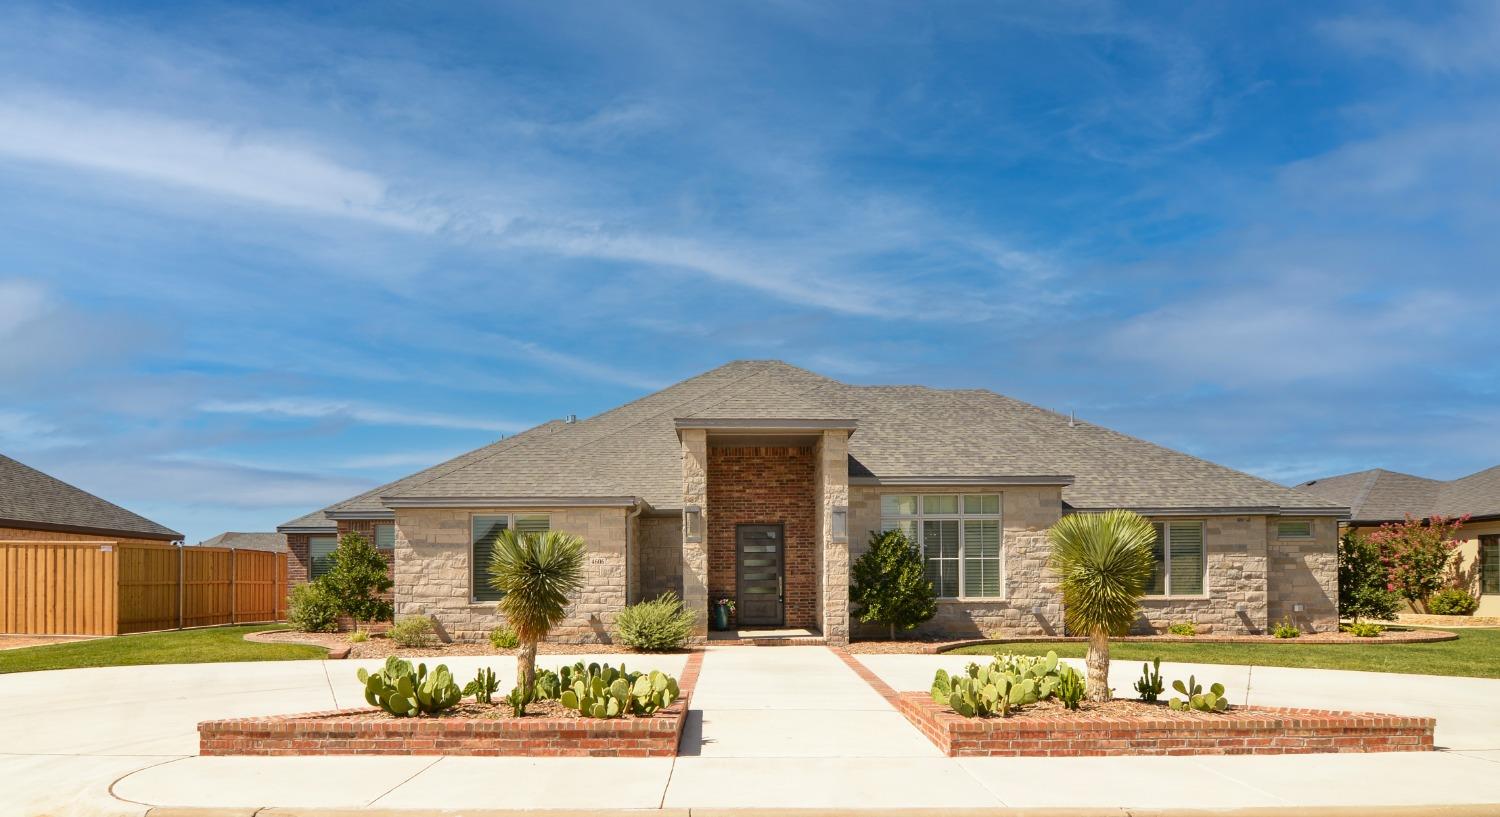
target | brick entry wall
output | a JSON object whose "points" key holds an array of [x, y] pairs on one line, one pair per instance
{"points": [[749, 486]]}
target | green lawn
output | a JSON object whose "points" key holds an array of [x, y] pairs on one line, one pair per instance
{"points": [[204, 646], [1476, 653]]}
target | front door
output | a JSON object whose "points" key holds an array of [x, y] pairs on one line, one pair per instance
{"points": [[758, 569]]}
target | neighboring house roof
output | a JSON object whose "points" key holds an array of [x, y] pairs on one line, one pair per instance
{"points": [[315, 522], [275, 542], [32, 499], [902, 434], [1378, 495]]}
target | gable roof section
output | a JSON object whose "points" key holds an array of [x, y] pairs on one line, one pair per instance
{"points": [[30, 498], [274, 542], [908, 433], [1378, 495], [315, 522]]}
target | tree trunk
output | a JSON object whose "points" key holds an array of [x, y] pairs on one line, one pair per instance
{"points": [[1098, 666], [526, 665], [893, 631]]}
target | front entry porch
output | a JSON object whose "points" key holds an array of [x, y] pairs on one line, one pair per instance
{"points": [[766, 637]]}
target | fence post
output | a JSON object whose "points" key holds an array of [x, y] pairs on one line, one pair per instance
{"points": [[181, 571], [234, 565]]}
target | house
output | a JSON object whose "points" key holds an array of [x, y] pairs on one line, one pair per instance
{"points": [[759, 481], [35, 506], [258, 540], [1378, 496]]}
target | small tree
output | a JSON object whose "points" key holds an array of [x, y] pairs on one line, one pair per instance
{"points": [[536, 572], [1362, 582], [1103, 561], [357, 578], [1416, 555], [890, 585]]}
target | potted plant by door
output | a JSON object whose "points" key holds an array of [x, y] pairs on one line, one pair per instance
{"points": [[723, 609]]}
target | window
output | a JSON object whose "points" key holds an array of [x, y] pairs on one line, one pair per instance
{"points": [[485, 529], [960, 539], [320, 555], [385, 537], [1178, 560], [1301, 529], [1489, 558]]}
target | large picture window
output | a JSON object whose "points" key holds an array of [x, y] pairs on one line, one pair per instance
{"points": [[485, 529], [1178, 560], [959, 535]]}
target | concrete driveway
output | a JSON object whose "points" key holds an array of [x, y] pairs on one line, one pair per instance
{"points": [[769, 727]]}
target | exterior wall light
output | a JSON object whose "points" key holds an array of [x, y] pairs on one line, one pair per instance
{"points": [[1036, 609], [692, 523], [841, 523], [1241, 607]]}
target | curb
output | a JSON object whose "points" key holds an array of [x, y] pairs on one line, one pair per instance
{"points": [[1477, 810]]}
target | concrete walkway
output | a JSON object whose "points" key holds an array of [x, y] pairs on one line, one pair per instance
{"points": [[769, 727]]}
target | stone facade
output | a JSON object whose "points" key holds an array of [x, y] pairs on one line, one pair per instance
{"points": [[660, 553], [694, 542], [433, 574], [1305, 572], [1236, 550], [1025, 514], [765, 486], [832, 557]]}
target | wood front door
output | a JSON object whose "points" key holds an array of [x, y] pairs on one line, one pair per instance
{"points": [[760, 574]]}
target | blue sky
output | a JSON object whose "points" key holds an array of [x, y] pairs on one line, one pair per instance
{"points": [[256, 260]]}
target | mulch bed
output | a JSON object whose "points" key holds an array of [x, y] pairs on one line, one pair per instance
{"points": [[380, 646], [467, 710], [932, 647]]}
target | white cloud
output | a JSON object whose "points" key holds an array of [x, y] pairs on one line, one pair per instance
{"points": [[1460, 43], [318, 409], [22, 431], [211, 158], [206, 482]]}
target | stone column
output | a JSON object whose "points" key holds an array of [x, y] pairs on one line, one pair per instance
{"points": [[833, 492], [695, 554]]}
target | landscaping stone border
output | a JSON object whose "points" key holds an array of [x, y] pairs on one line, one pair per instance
{"points": [[1240, 731], [1317, 639], [320, 733]]}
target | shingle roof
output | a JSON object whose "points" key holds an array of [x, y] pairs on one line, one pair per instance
{"points": [[902, 432], [1379, 495], [315, 521], [275, 542], [29, 497]]}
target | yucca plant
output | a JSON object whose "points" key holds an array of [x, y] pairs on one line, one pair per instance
{"points": [[1103, 561], [536, 572]]}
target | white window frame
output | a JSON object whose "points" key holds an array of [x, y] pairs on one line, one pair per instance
{"points": [[1166, 550], [1307, 522], [510, 524], [922, 516]]}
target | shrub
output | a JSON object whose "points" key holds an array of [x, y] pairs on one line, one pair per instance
{"points": [[1150, 686], [504, 638], [412, 631], [1363, 590], [1286, 629], [1416, 555], [890, 584], [405, 692], [1363, 629], [1452, 602], [358, 637], [1183, 628], [658, 624], [357, 578], [312, 609]]}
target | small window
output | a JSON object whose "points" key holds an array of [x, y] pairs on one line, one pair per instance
{"points": [[898, 505], [934, 504], [486, 529], [1298, 529], [385, 537], [533, 522], [320, 555], [981, 504], [1178, 560], [1489, 559]]}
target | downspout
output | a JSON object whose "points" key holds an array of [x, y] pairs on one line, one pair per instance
{"points": [[630, 545]]}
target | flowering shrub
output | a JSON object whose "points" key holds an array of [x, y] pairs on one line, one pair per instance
{"points": [[1363, 589], [1416, 555]]}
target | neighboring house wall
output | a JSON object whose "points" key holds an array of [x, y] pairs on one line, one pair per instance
{"points": [[1468, 552], [765, 486], [63, 536], [298, 557], [659, 543], [1025, 514], [433, 571]]}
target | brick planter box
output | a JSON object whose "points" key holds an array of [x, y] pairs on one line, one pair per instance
{"points": [[325, 733], [1240, 731]]}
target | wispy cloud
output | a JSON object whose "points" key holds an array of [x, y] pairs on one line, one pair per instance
{"points": [[319, 409], [1461, 42]]}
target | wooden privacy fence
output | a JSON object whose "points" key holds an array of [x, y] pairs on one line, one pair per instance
{"points": [[108, 588]]}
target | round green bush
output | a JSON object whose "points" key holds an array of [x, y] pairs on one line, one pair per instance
{"points": [[412, 631], [504, 638], [659, 624], [312, 609], [1452, 602]]}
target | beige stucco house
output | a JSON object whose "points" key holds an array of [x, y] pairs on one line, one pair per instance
{"points": [[759, 481], [1377, 496]]}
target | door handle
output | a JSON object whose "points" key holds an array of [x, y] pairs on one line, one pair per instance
{"points": [[780, 594]]}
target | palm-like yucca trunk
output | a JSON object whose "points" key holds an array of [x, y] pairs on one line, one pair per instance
{"points": [[1098, 666], [526, 664]]}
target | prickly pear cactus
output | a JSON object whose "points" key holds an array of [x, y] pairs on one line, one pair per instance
{"points": [[405, 692], [608, 692], [1197, 700]]}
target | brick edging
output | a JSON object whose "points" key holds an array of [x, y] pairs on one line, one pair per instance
{"points": [[1242, 730], [327, 733]]}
